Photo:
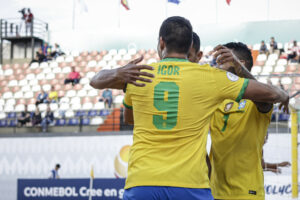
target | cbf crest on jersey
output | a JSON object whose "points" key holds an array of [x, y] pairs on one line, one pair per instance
{"points": [[242, 104], [232, 76], [228, 106]]}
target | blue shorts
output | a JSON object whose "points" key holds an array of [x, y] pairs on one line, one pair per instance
{"points": [[166, 193]]}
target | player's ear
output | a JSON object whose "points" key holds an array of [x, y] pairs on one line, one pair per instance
{"points": [[199, 56], [162, 44]]}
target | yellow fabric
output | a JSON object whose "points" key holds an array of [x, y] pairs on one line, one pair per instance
{"points": [[171, 122], [53, 95], [236, 151]]}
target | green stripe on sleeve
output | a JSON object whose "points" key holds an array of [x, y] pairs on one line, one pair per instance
{"points": [[127, 106], [240, 96], [243, 89]]}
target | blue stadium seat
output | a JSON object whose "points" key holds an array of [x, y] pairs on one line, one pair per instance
{"points": [[104, 112], [12, 123], [85, 121], [73, 122], [93, 113], [80, 113], [284, 117], [60, 122], [11, 115], [3, 123]]}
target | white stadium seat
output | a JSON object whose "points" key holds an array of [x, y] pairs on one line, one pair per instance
{"points": [[256, 46], [11, 102], [56, 70], [75, 100], [97, 121], [7, 95], [90, 75], [40, 76], [87, 106], [279, 69], [84, 81], [261, 57], [44, 65], [18, 95], [282, 62], [263, 80], [65, 100], [24, 82], [75, 53], [30, 76], [12, 83], [151, 60], [47, 87], [122, 52], [9, 108], [69, 59], [69, 113], [20, 108], [31, 82], [8, 72], [2, 102], [28, 95], [127, 57], [76, 106], [92, 63], [60, 59], [274, 81], [50, 76], [42, 107], [26, 88], [34, 65], [53, 106], [64, 106], [119, 99], [53, 64], [93, 93], [82, 93], [102, 63], [66, 70], [2, 115], [99, 106], [47, 70], [31, 107], [113, 52], [270, 62], [56, 114], [286, 80], [36, 88], [71, 93], [132, 51]]}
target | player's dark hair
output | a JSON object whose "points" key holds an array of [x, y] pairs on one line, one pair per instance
{"points": [[196, 42], [177, 33], [57, 166], [242, 52]]}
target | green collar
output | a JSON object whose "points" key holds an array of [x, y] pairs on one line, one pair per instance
{"points": [[174, 60]]}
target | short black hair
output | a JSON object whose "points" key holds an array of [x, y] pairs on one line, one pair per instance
{"points": [[177, 33], [57, 165], [242, 52], [196, 42]]}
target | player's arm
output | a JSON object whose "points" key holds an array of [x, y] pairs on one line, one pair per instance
{"points": [[118, 78], [255, 91], [128, 116], [224, 55]]}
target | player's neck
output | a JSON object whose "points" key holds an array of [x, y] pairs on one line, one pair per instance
{"points": [[175, 55]]}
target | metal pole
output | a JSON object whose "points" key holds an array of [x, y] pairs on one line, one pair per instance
{"points": [[5, 28], [32, 40]]}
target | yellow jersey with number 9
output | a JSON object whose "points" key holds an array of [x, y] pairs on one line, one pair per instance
{"points": [[171, 122]]}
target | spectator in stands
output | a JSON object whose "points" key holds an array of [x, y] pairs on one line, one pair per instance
{"points": [[48, 119], [23, 19], [29, 21], [263, 48], [42, 98], [40, 57], [36, 117], [53, 95], [107, 98], [294, 54], [54, 172], [24, 118], [73, 77], [273, 45], [45, 49], [56, 51]]}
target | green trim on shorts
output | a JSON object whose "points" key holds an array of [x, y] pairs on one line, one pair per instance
{"points": [[127, 106]]}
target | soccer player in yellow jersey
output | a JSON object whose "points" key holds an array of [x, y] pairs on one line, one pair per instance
{"points": [[238, 129], [171, 118], [172, 114]]}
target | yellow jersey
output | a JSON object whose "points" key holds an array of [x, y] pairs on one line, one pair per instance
{"points": [[53, 95], [171, 122], [237, 132]]}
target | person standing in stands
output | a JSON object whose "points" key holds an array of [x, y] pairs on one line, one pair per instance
{"points": [[294, 52], [24, 118], [48, 119], [273, 45], [41, 98], [54, 172], [107, 98], [73, 77], [29, 21], [45, 48]]}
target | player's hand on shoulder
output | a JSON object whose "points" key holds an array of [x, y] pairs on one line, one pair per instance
{"points": [[131, 73]]}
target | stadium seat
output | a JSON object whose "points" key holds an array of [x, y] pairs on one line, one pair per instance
{"points": [[90, 75], [2, 115], [119, 99], [8, 72], [85, 121], [31, 107], [60, 122], [53, 106], [96, 121], [263, 80], [73, 122], [71, 93], [47, 87], [36, 88], [60, 59], [69, 59], [75, 100], [2, 102], [286, 80], [87, 106], [12, 123], [40, 76], [76, 106], [82, 93], [64, 100], [279, 69], [12, 83], [74, 53], [11, 115], [93, 113], [26, 88], [42, 107], [261, 57], [8, 108], [270, 62], [80, 113], [56, 70], [7, 95], [104, 112], [69, 113], [3, 123], [99, 106], [64, 106], [18, 95], [92, 93], [25, 82], [92, 63], [11, 101], [66, 70], [20, 108]]}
